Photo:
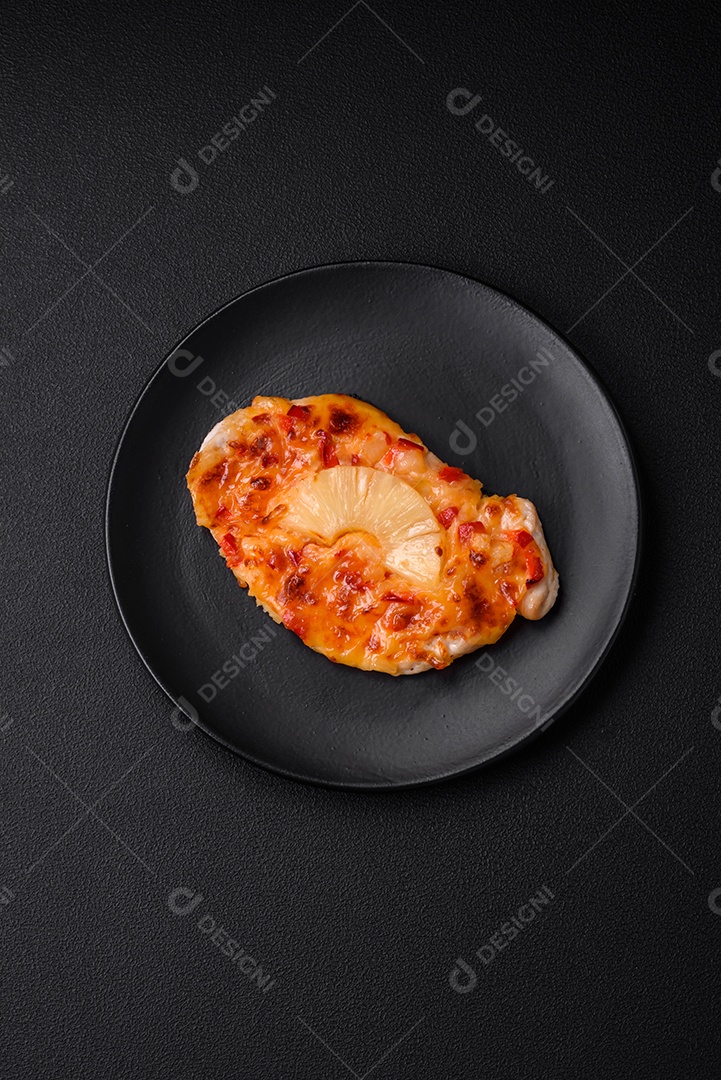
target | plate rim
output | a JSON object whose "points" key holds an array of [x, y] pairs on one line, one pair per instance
{"points": [[386, 785]]}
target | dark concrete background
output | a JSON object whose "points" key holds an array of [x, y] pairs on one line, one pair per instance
{"points": [[358, 906]]}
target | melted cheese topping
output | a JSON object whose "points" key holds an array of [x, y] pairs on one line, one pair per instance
{"points": [[360, 540]]}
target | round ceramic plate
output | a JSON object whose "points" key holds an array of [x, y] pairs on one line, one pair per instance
{"points": [[489, 387]]}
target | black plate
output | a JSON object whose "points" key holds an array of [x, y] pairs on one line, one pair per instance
{"points": [[431, 349]]}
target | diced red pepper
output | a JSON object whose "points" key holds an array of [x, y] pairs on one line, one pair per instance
{"points": [[301, 412], [327, 450], [222, 512], [534, 568], [269, 459], [395, 598], [447, 515], [467, 528], [285, 423], [509, 592], [330, 458], [451, 473], [523, 538], [398, 447], [228, 545], [261, 418]]}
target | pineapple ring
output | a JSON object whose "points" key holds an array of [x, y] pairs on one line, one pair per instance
{"points": [[355, 498]]}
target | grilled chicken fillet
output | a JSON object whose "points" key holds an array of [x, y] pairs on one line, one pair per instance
{"points": [[360, 540]]}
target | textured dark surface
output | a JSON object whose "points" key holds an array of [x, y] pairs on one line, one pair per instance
{"points": [[358, 906]]}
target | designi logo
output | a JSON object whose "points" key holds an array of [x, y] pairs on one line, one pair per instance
{"points": [[460, 102], [716, 715], [716, 177], [185, 177], [184, 901]]}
